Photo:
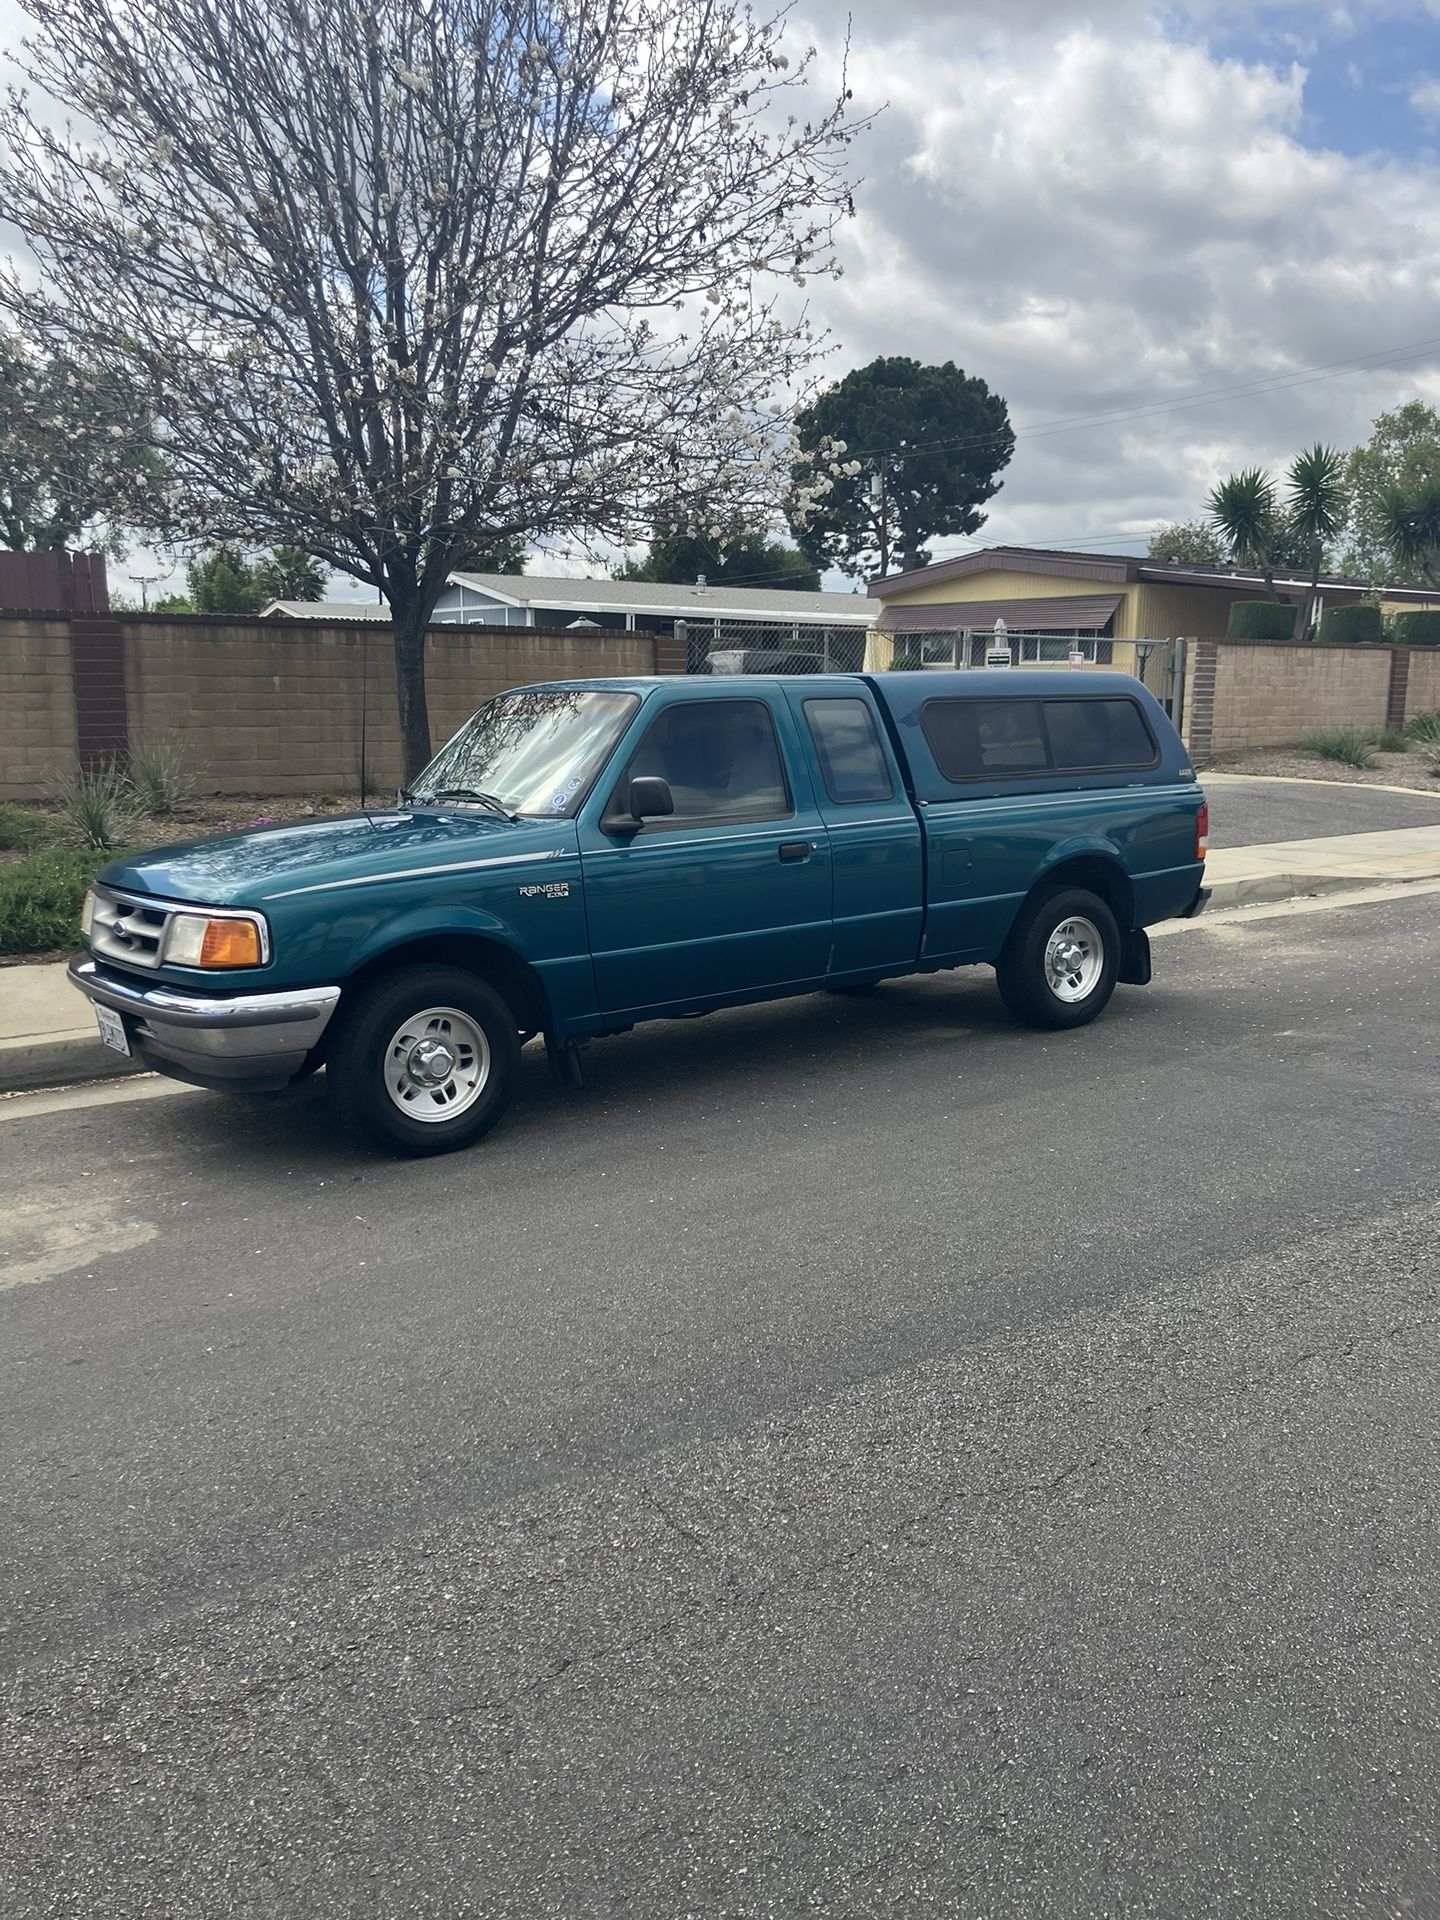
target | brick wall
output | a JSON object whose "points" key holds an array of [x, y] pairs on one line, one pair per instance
{"points": [[1422, 689], [1267, 695], [37, 704], [264, 707]]}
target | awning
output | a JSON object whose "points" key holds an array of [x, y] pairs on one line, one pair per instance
{"points": [[1062, 613]]}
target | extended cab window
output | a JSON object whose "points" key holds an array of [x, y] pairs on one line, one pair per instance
{"points": [[1088, 734], [847, 745], [721, 759], [973, 739]]}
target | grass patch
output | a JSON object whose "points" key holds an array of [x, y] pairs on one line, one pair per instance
{"points": [[1425, 728], [22, 829], [1348, 745], [40, 898]]}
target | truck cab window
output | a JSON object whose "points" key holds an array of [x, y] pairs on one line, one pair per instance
{"points": [[852, 761], [721, 759]]}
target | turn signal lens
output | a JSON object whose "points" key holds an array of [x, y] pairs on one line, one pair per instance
{"points": [[197, 940], [230, 943], [87, 914], [1202, 830]]}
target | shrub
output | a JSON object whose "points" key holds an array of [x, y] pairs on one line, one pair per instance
{"points": [[23, 828], [1430, 759], [40, 899], [1425, 727], [161, 780], [905, 663], [1418, 629], [1260, 620], [98, 800], [1347, 626], [1346, 744], [1390, 740]]}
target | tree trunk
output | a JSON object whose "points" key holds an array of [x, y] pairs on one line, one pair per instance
{"points": [[410, 698]]}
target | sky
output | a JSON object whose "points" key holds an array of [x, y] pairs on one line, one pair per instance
{"points": [[1205, 235]]}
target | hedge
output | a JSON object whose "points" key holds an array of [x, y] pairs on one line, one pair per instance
{"points": [[1349, 626], [1260, 620], [1419, 629]]}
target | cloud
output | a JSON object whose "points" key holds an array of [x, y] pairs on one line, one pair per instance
{"points": [[1100, 214], [1425, 101]]}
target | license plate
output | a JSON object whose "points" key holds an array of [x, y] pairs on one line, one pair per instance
{"points": [[112, 1030]]}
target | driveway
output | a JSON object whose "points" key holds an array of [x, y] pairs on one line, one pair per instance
{"points": [[1248, 812], [858, 1459]]}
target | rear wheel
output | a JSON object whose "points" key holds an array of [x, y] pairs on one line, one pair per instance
{"points": [[1059, 965], [425, 1061]]}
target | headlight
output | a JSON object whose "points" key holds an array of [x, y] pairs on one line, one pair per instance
{"points": [[87, 914], [213, 940]]}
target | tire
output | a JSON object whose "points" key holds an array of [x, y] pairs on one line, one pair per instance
{"points": [[1038, 991], [425, 1061]]}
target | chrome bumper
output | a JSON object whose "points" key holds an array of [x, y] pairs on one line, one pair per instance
{"points": [[254, 1040]]}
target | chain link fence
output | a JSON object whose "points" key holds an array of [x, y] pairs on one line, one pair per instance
{"points": [[760, 646]]}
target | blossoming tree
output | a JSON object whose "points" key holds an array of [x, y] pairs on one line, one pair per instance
{"points": [[395, 278]]}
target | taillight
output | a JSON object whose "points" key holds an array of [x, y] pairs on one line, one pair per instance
{"points": [[1202, 830]]}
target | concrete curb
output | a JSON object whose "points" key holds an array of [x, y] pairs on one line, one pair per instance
{"points": [[28, 1064], [1264, 889]]}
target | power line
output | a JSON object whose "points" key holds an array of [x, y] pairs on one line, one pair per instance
{"points": [[1273, 383]]}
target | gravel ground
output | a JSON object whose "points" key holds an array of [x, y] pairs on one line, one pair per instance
{"points": [[1292, 763]]}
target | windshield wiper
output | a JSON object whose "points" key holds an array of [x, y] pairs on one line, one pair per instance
{"points": [[491, 800]]}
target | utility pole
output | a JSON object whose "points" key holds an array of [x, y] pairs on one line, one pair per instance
{"points": [[145, 581]]}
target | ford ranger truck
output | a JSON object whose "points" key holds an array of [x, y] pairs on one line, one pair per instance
{"points": [[590, 854]]}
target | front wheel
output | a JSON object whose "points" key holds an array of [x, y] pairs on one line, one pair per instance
{"points": [[425, 1061], [1059, 965]]}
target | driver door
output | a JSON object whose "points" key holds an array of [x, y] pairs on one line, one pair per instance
{"points": [[727, 898]]}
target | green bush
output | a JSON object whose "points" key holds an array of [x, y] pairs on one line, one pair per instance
{"points": [[1390, 740], [1430, 759], [1425, 727], [40, 899], [1418, 629], [98, 800], [1260, 620], [1348, 626], [159, 776], [23, 828], [905, 663], [1347, 744]]}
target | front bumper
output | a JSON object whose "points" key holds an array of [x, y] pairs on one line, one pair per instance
{"points": [[254, 1042]]}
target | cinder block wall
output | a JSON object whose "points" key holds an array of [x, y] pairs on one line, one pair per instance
{"points": [[37, 704], [1271, 696], [272, 706], [1422, 692]]}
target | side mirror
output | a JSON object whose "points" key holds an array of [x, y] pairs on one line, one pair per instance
{"points": [[650, 796]]}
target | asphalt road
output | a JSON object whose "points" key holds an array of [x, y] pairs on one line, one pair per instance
{"points": [[1249, 812], [857, 1459]]}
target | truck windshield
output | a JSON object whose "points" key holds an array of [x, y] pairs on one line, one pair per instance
{"points": [[532, 752]]}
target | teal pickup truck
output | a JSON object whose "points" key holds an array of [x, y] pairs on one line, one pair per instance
{"points": [[590, 854]]}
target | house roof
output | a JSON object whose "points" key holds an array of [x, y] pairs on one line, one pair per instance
{"points": [[554, 594], [1052, 613], [647, 597], [1126, 568]]}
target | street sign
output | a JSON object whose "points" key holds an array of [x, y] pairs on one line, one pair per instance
{"points": [[999, 657]]}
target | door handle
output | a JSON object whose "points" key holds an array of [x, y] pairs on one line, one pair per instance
{"points": [[795, 849]]}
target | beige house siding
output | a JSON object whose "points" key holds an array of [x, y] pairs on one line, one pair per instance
{"points": [[1162, 611]]}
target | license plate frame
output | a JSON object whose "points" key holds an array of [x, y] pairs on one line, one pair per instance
{"points": [[112, 1030]]}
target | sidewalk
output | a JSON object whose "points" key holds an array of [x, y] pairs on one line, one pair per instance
{"points": [[48, 1036]]}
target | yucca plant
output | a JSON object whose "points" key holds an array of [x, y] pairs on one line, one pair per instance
{"points": [[1315, 507], [1245, 512], [1348, 745], [1425, 727], [97, 799], [161, 779]]}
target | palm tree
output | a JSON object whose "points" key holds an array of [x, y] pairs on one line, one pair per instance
{"points": [[1315, 509], [1244, 510], [1411, 524]]}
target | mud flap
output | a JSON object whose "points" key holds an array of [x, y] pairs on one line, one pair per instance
{"points": [[1135, 959]]}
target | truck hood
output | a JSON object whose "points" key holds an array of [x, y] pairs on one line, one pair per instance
{"points": [[248, 869]]}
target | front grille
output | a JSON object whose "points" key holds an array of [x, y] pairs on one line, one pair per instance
{"points": [[128, 929]]}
